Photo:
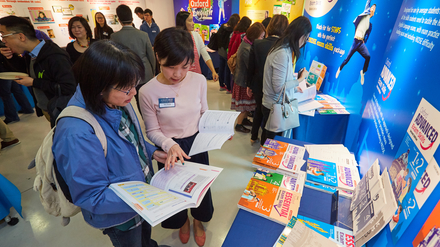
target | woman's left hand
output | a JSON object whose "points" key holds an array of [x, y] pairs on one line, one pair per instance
{"points": [[299, 89], [160, 156], [249, 92], [215, 76]]}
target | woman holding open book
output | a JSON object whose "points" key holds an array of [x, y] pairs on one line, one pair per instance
{"points": [[278, 69], [172, 104], [78, 151]]}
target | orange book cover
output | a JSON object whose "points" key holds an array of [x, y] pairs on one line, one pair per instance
{"points": [[259, 196], [431, 226], [285, 206], [272, 153]]}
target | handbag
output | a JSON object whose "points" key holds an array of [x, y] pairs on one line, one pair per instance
{"points": [[232, 63], [283, 115]]}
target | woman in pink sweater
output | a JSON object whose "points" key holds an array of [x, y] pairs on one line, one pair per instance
{"points": [[172, 104]]}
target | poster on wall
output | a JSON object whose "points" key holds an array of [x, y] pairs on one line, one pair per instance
{"points": [[40, 15], [414, 172], [7, 10]]}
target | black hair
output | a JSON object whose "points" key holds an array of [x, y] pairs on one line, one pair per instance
{"points": [[175, 45], [298, 28], [233, 21], [148, 11], [16, 24], [243, 24], [83, 22], [103, 66], [266, 21], [41, 12], [124, 14], [181, 19], [138, 10]]}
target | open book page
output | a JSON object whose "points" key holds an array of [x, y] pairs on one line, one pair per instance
{"points": [[188, 181], [308, 105], [215, 128], [307, 94], [153, 204]]}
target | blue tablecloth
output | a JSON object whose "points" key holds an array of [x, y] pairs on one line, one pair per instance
{"points": [[249, 229], [10, 196]]}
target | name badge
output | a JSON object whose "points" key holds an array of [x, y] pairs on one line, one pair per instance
{"points": [[167, 102], [153, 31]]}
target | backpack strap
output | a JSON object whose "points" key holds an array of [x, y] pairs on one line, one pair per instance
{"points": [[81, 113]]}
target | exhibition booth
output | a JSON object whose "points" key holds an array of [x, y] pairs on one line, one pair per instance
{"points": [[386, 81]]}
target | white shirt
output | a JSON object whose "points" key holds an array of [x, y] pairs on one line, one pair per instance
{"points": [[363, 26]]}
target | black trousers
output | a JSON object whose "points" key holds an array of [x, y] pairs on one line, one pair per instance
{"points": [[266, 133], [206, 209], [258, 118]]}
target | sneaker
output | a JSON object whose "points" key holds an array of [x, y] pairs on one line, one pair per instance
{"points": [[9, 144], [241, 128], [246, 122], [228, 92], [223, 88], [8, 121], [362, 77], [337, 73]]}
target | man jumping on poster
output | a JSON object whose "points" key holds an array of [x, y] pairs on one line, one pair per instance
{"points": [[362, 32]]}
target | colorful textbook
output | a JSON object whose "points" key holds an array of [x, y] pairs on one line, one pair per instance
{"points": [[331, 174], [280, 157], [169, 192], [273, 196]]}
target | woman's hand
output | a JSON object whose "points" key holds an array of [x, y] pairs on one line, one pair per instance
{"points": [[160, 156], [249, 92], [304, 75], [215, 76], [174, 153], [299, 89]]}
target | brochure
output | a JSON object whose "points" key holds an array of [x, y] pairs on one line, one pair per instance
{"points": [[181, 187], [215, 128], [271, 201], [368, 181]]}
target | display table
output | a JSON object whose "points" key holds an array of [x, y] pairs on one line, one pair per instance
{"points": [[322, 129], [249, 229]]}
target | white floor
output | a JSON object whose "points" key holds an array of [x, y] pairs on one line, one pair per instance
{"points": [[41, 229]]}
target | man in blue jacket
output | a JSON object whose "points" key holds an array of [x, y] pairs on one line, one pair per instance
{"points": [[150, 26], [362, 32]]}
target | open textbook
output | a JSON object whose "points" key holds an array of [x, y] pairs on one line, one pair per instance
{"points": [[169, 192], [215, 128]]}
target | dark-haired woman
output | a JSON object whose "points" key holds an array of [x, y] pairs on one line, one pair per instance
{"points": [[102, 30], [106, 94], [79, 30], [172, 104], [223, 35], [241, 101], [236, 38], [257, 59], [185, 21], [278, 69]]}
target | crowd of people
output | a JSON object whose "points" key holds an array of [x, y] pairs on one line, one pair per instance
{"points": [[102, 72]]}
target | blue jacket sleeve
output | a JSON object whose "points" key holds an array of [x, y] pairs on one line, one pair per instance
{"points": [[82, 164]]}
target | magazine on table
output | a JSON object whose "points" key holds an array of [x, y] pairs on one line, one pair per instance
{"points": [[169, 192], [215, 128], [273, 196], [280, 156]]}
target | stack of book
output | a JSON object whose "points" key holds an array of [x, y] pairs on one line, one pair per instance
{"points": [[275, 190], [330, 105]]}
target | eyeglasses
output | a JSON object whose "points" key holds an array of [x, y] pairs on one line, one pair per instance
{"points": [[6, 35], [126, 92]]}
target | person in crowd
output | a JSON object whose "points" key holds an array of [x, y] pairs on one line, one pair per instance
{"points": [[266, 21], [150, 26], [8, 138], [278, 70], [241, 101], [223, 35], [257, 59], [9, 88], [236, 38], [140, 13], [137, 41], [188, 93], [79, 30], [106, 94], [185, 21], [48, 66], [102, 29]]}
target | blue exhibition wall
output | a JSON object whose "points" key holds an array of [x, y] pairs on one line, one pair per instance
{"points": [[330, 42]]}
